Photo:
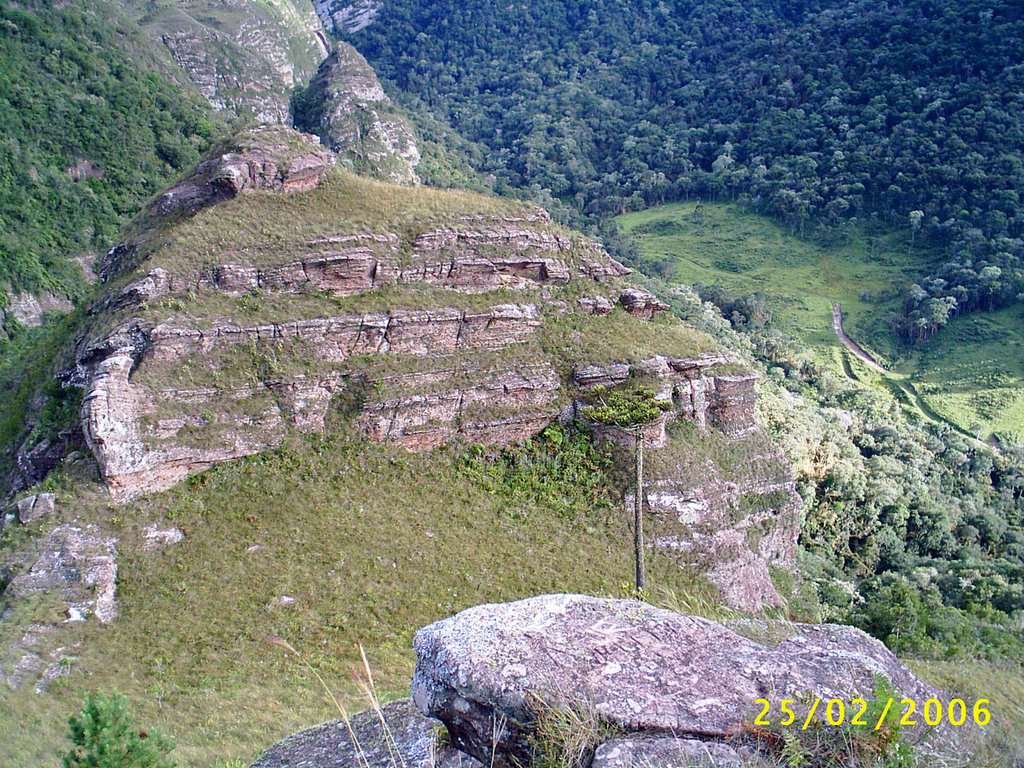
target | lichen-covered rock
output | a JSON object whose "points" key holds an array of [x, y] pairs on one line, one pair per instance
{"points": [[347, 107], [36, 507], [485, 672], [665, 752], [156, 537], [405, 738]]}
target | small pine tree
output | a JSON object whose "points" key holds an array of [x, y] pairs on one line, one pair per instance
{"points": [[104, 737]]}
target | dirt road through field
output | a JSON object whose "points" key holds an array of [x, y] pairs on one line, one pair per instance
{"points": [[850, 344]]}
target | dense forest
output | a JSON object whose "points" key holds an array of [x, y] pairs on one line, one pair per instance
{"points": [[87, 135], [818, 113]]}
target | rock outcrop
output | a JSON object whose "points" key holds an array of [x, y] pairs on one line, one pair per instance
{"points": [[80, 564], [399, 736], [242, 55], [476, 255], [665, 752], [266, 158], [642, 304], [29, 309], [347, 107], [733, 532], [343, 16], [723, 401], [627, 684], [36, 507], [491, 671]]}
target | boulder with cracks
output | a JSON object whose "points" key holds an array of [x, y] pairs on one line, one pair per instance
{"points": [[491, 671]]}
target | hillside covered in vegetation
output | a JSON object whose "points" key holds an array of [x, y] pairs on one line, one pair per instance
{"points": [[818, 113], [89, 131], [339, 381]]}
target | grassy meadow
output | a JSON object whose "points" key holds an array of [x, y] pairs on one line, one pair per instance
{"points": [[970, 374]]}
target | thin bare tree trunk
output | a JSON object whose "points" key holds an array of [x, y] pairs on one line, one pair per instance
{"points": [[638, 510]]}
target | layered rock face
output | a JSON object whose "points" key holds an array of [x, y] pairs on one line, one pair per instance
{"points": [[723, 401], [242, 55], [346, 106], [252, 300], [670, 683], [734, 532], [731, 523]]}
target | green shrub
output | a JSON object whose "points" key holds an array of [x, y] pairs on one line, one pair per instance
{"points": [[104, 737], [558, 470]]}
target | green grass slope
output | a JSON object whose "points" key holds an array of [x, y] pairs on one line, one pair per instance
{"points": [[972, 373], [371, 542], [721, 244]]}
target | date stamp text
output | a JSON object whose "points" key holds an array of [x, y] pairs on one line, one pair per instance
{"points": [[858, 712]]}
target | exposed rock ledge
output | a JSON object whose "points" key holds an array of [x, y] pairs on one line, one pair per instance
{"points": [[674, 691], [473, 257], [81, 565], [267, 158], [140, 451], [725, 401], [347, 107], [335, 339], [485, 672]]}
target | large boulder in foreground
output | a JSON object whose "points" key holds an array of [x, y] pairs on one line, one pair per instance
{"points": [[409, 740], [487, 672]]}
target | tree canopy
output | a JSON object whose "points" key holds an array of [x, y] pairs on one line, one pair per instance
{"points": [[815, 111]]}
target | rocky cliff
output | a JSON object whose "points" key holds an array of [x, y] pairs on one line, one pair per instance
{"points": [[270, 292], [346, 106], [242, 55]]}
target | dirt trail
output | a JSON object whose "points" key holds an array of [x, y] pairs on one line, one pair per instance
{"points": [[906, 387], [850, 344]]}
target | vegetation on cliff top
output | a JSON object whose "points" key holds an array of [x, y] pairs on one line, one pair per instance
{"points": [[268, 230]]}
